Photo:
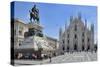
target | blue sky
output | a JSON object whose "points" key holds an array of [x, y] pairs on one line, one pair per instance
{"points": [[54, 16]]}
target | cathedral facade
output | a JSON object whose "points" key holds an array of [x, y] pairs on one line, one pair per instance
{"points": [[77, 36]]}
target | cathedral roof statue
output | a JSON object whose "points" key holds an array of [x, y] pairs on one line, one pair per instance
{"points": [[79, 15]]}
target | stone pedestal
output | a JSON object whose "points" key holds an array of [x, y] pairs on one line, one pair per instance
{"points": [[34, 29]]}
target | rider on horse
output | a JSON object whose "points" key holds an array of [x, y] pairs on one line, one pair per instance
{"points": [[34, 14]]}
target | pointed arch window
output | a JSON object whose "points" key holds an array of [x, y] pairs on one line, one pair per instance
{"points": [[83, 34], [75, 47], [68, 41], [83, 47], [68, 48], [63, 41], [75, 36], [82, 40], [75, 27], [88, 40], [67, 35]]}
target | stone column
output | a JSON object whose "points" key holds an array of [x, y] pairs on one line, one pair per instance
{"points": [[92, 38], [65, 38], [85, 35], [60, 41]]}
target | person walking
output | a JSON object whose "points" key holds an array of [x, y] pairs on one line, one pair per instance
{"points": [[50, 58]]}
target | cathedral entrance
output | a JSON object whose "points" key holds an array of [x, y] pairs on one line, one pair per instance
{"points": [[88, 47], [75, 47], [82, 47], [67, 48]]}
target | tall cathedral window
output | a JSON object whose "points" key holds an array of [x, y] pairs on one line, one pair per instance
{"points": [[88, 47], [63, 42], [68, 36], [63, 48], [67, 48], [88, 39], [63, 45], [75, 47], [82, 47], [68, 41], [83, 34], [82, 40], [75, 27], [75, 36]]}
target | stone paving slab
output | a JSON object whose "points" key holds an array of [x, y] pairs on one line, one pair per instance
{"points": [[66, 58]]}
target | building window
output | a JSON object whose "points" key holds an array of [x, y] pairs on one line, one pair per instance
{"points": [[67, 48], [21, 27], [68, 36], [82, 40], [20, 43], [75, 47], [88, 47], [75, 28], [63, 48], [68, 41], [75, 36], [83, 34], [82, 47], [88, 39], [20, 32], [63, 41]]}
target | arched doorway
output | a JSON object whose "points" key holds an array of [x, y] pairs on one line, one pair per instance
{"points": [[75, 47], [63, 48], [26, 34], [82, 47], [67, 48], [88, 47]]}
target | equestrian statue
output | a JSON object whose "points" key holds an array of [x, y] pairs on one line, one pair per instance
{"points": [[34, 14]]}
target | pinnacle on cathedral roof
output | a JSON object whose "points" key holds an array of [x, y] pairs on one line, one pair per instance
{"points": [[79, 15], [71, 18], [92, 27]]}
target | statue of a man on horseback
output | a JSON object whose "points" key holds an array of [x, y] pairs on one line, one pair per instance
{"points": [[34, 14]]}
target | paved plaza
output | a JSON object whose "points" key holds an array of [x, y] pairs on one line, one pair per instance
{"points": [[67, 57]]}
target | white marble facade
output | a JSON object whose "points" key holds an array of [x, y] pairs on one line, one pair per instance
{"points": [[76, 36]]}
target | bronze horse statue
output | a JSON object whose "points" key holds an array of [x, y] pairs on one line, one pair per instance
{"points": [[34, 16]]}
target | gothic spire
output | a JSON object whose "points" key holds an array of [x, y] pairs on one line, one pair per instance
{"points": [[65, 26], [85, 23], [60, 31], [71, 18], [92, 27], [79, 15]]}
